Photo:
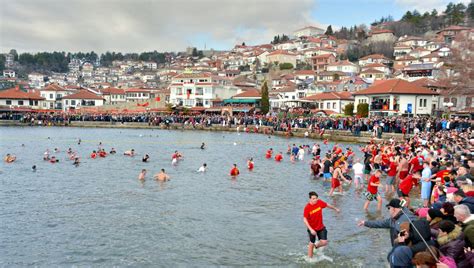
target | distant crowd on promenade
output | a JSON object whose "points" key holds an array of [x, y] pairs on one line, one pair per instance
{"points": [[282, 122]]}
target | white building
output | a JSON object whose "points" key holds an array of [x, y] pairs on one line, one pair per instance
{"points": [[9, 73], [53, 95], [83, 98], [113, 95], [17, 98], [396, 97], [37, 80], [330, 101], [308, 31], [343, 66], [198, 90]]}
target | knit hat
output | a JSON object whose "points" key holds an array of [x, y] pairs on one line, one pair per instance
{"points": [[446, 226]]}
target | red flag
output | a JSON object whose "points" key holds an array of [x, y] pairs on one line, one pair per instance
{"points": [[157, 98], [189, 93], [145, 104]]}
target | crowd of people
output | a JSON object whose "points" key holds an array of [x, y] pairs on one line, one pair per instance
{"points": [[279, 122], [435, 167], [427, 177]]}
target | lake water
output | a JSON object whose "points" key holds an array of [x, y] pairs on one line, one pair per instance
{"points": [[99, 214]]}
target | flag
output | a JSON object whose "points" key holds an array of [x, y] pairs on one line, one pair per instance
{"points": [[157, 99]]}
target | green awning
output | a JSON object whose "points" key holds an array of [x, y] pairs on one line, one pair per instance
{"points": [[240, 101]]}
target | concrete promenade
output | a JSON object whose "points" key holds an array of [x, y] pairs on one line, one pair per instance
{"points": [[330, 135]]}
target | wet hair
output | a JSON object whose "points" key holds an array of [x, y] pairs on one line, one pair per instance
{"points": [[163, 170], [313, 193]]}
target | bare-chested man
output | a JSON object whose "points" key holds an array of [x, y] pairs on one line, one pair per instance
{"points": [[162, 176]]}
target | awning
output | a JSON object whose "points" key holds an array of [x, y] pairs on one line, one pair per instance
{"points": [[240, 101]]}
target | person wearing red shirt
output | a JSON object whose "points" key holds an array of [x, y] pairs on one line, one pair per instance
{"points": [[234, 171], [391, 174], [372, 190], [313, 219], [406, 185], [279, 157], [269, 153], [250, 164]]}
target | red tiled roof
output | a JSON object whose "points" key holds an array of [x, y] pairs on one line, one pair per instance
{"points": [[112, 90], [54, 87], [380, 31], [395, 86], [331, 96], [83, 95], [18, 94], [137, 90], [193, 75], [371, 71], [324, 56], [374, 56], [281, 52], [305, 72], [251, 93]]}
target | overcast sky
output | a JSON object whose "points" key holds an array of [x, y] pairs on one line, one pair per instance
{"points": [[172, 25]]}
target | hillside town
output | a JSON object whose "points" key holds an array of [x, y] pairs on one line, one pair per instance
{"points": [[309, 71]]}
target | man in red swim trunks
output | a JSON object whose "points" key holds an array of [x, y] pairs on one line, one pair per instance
{"points": [[313, 219]]}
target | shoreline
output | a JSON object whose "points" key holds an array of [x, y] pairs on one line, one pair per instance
{"points": [[330, 135]]}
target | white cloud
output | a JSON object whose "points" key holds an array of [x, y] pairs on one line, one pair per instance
{"points": [[144, 25], [427, 5]]}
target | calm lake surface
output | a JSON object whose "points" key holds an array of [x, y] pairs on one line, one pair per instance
{"points": [[99, 214]]}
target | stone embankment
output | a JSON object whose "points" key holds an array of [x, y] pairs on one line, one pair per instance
{"points": [[330, 135]]}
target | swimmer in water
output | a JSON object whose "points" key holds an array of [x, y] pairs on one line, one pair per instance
{"points": [[76, 162], [203, 168], [234, 171], [162, 176], [112, 151], [145, 158], [129, 153], [203, 146], [33, 168], [250, 164], [9, 158], [142, 175]]}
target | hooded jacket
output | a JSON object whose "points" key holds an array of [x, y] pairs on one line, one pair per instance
{"points": [[452, 244]]}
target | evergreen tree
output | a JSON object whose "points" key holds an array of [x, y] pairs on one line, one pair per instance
{"points": [[329, 31], [265, 101]]}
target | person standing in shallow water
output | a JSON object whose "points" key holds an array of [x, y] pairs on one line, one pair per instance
{"points": [[313, 219]]}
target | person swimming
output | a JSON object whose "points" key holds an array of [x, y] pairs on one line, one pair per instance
{"points": [[203, 146], [145, 158], [9, 158], [130, 153], [33, 168], [142, 175], [203, 168]]}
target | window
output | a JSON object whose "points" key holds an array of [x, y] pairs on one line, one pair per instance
{"points": [[20, 102], [454, 101], [468, 102], [67, 102], [73, 102], [8, 102], [328, 105], [31, 103], [446, 100], [51, 96]]}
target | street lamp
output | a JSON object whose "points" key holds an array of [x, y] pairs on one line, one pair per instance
{"points": [[448, 105]]}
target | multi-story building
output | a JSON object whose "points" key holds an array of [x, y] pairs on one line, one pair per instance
{"points": [[53, 95], [308, 31], [15, 97], [37, 80], [198, 90]]}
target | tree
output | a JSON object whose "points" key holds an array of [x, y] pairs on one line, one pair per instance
{"points": [[349, 109], [329, 31], [363, 109], [2, 62], [265, 101], [470, 13], [285, 66], [195, 53]]}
